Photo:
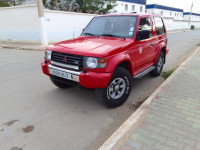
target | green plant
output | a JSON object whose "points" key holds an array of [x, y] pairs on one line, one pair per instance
{"points": [[166, 74], [192, 27], [4, 4], [84, 6]]}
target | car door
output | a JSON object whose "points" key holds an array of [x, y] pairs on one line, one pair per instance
{"points": [[144, 47], [160, 33]]}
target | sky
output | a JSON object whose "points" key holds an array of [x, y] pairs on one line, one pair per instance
{"points": [[182, 4]]}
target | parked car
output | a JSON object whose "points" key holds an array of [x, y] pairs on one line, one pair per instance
{"points": [[111, 52]]}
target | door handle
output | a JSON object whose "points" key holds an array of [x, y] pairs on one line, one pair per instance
{"points": [[151, 44]]}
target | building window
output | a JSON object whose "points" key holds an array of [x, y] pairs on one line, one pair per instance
{"points": [[126, 7], [133, 7], [141, 9], [170, 13]]}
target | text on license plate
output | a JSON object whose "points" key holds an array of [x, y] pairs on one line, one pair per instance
{"points": [[62, 74]]}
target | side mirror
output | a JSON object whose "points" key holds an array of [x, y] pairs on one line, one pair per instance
{"points": [[143, 34]]}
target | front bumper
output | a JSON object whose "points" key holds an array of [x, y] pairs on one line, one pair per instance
{"points": [[75, 74], [88, 80]]}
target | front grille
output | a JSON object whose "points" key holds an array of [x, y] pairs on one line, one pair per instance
{"points": [[70, 59]]}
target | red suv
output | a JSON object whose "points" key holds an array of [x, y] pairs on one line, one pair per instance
{"points": [[111, 52]]}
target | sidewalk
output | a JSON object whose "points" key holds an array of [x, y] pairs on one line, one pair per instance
{"points": [[172, 117]]}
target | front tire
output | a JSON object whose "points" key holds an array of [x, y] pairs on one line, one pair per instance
{"points": [[59, 84], [159, 65], [118, 89]]}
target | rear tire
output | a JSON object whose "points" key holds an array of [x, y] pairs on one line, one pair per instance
{"points": [[159, 65], [118, 89], [59, 84]]}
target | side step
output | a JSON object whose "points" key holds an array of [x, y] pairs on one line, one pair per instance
{"points": [[141, 74]]}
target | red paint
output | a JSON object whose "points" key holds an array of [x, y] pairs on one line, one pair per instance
{"points": [[116, 50], [93, 80], [45, 68]]}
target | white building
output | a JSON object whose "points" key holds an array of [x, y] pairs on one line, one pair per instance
{"points": [[194, 16], [128, 6], [165, 11]]}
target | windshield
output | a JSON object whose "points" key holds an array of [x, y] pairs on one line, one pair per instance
{"points": [[113, 26]]}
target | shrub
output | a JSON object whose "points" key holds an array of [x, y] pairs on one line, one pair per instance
{"points": [[166, 74], [192, 27], [4, 4]]}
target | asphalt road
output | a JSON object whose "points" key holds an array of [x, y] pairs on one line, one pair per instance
{"points": [[35, 115]]}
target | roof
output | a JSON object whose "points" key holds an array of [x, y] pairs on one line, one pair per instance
{"points": [[143, 2], [163, 7], [188, 13], [129, 14]]}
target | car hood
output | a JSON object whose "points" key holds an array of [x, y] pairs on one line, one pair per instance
{"points": [[90, 46]]}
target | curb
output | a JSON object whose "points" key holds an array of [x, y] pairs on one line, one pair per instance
{"points": [[177, 31], [123, 132], [36, 48]]}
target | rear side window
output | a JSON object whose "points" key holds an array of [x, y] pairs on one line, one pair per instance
{"points": [[160, 29]]}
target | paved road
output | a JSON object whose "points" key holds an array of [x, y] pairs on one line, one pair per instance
{"points": [[34, 114]]}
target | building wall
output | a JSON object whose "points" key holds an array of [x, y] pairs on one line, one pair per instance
{"points": [[193, 17], [65, 25], [166, 13], [21, 24], [172, 24], [121, 7]]}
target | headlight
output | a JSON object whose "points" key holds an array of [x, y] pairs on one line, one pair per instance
{"points": [[48, 54], [92, 62]]}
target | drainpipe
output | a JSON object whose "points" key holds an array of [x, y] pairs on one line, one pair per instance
{"points": [[43, 34]]}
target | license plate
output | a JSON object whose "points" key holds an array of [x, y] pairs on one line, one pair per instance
{"points": [[62, 74]]}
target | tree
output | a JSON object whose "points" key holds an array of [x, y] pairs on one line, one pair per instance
{"points": [[96, 6], [84, 6], [4, 4]]}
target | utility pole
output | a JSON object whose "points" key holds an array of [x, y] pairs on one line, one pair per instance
{"points": [[43, 34], [190, 16]]}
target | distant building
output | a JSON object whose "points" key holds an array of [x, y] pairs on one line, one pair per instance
{"points": [[128, 6], [165, 11], [194, 16]]}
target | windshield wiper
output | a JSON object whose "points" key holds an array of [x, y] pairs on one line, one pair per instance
{"points": [[111, 35], [89, 34]]}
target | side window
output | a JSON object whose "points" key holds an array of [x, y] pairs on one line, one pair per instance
{"points": [[145, 24], [145, 29], [160, 29]]}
